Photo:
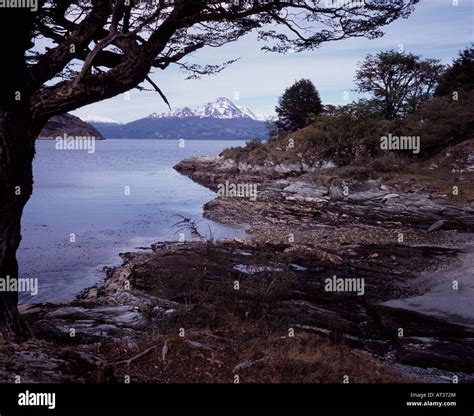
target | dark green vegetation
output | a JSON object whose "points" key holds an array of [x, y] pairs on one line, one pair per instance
{"points": [[460, 74], [298, 105], [398, 82]]}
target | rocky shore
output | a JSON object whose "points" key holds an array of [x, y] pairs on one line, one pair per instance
{"points": [[401, 233], [260, 309]]}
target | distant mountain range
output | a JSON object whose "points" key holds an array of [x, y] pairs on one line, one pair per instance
{"points": [[70, 125], [221, 119]]}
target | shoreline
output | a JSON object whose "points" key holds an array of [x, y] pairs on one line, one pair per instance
{"points": [[434, 300], [88, 199], [144, 302]]}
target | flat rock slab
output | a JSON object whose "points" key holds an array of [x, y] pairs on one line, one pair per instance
{"points": [[451, 293], [122, 315], [307, 189]]}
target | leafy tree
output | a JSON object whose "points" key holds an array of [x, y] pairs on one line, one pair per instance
{"points": [[298, 105], [272, 128], [349, 133], [88, 51], [442, 122], [459, 75], [399, 82]]}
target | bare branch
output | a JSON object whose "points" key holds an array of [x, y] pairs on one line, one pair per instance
{"points": [[157, 89]]}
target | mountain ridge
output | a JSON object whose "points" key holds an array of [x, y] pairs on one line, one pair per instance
{"points": [[70, 125], [221, 108], [219, 119]]}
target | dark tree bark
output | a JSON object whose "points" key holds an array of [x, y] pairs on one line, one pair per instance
{"points": [[16, 185], [16, 157]]}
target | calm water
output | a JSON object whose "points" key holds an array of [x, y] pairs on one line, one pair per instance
{"points": [[84, 194]]}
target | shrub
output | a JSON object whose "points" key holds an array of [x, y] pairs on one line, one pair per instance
{"points": [[442, 122]]}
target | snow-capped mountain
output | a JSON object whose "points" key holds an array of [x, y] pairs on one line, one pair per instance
{"points": [[98, 119], [247, 112], [179, 113], [220, 119], [222, 108]]}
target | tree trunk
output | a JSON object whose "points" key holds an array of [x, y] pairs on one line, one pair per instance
{"points": [[16, 155], [16, 183]]}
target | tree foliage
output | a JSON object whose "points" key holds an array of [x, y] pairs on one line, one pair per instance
{"points": [[442, 122], [459, 76], [350, 133], [297, 105], [399, 82]]}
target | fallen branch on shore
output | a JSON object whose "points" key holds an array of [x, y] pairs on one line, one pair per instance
{"points": [[136, 357]]}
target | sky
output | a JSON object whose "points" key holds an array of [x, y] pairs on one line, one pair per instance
{"points": [[436, 29]]}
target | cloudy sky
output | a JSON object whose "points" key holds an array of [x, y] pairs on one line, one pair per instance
{"points": [[437, 29]]}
